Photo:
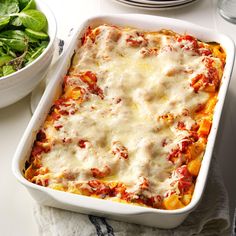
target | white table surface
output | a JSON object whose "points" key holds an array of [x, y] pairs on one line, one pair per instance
{"points": [[16, 205]]}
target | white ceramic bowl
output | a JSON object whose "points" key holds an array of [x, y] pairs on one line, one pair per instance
{"points": [[106, 208], [17, 85]]}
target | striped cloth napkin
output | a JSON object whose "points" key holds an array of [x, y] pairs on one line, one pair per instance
{"points": [[210, 218]]}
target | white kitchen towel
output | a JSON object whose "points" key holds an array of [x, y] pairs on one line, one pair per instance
{"points": [[210, 218]]}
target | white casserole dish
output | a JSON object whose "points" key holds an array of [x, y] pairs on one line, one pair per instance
{"points": [[106, 208]]}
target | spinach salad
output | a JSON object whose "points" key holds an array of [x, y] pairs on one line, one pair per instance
{"points": [[23, 34]]}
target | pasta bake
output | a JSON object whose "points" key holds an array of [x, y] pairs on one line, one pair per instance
{"points": [[132, 122]]}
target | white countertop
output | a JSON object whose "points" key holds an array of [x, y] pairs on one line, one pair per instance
{"points": [[16, 205]]}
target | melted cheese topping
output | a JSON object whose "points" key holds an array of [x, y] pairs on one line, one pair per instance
{"points": [[139, 90]]}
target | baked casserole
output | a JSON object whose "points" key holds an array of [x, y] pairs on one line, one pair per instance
{"points": [[132, 122]]}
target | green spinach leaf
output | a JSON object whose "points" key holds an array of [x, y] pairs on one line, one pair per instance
{"points": [[36, 34], [15, 34], [31, 5], [7, 70], [38, 51], [7, 50], [8, 7], [4, 20], [5, 59], [18, 45], [33, 19], [23, 4], [16, 21]]}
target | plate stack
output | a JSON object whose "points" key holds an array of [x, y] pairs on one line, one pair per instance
{"points": [[155, 4]]}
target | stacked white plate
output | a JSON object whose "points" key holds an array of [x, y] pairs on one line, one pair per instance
{"points": [[155, 4]]}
